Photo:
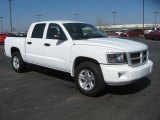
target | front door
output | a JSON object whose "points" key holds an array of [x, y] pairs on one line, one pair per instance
{"points": [[56, 49]]}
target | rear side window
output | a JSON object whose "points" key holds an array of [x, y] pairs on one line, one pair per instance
{"points": [[38, 31]]}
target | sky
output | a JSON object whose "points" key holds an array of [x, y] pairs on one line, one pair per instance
{"points": [[24, 12]]}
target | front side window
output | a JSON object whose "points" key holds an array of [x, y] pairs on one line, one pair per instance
{"points": [[55, 30], [80, 31], [38, 31]]}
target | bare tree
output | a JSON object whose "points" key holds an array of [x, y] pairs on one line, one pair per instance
{"points": [[99, 22]]}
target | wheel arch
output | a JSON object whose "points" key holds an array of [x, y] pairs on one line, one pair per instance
{"points": [[14, 49], [79, 60]]}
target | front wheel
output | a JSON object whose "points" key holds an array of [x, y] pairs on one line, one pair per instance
{"points": [[17, 62], [89, 79]]}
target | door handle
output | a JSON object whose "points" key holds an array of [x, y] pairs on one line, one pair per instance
{"points": [[29, 43], [47, 44]]}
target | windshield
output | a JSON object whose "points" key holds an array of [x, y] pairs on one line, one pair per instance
{"points": [[81, 31]]}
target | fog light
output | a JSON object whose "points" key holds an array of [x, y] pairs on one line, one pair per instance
{"points": [[120, 74]]}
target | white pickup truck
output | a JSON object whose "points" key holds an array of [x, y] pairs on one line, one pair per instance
{"points": [[83, 51]]}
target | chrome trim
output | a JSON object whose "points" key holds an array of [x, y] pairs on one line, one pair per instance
{"points": [[140, 58]]}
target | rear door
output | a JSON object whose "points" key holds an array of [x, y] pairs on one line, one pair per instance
{"points": [[34, 44]]}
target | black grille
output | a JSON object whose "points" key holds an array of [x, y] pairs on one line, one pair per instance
{"points": [[144, 52], [138, 58], [144, 59], [136, 61], [134, 55]]}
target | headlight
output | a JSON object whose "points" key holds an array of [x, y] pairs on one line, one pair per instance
{"points": [[117, 58]]}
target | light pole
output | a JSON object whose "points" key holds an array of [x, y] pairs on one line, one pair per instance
{"points": [[143, 15], [76, 16], [155, 18], [39, 18], [10, 12], [1, 23], [114, 13]]}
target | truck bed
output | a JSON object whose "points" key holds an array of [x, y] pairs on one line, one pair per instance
{"points": [[17, 42]]}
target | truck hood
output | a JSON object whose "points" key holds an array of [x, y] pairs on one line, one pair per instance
{"points": [[116, 43]]}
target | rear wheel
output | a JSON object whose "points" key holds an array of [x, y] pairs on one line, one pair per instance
{"points": [[89, 79], [17, 62], [156, 38]]}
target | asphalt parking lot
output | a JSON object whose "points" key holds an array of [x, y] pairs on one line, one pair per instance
{"points": [[45, 94]]}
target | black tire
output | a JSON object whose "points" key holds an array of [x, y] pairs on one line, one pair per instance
{"points": [[156, 38], [17, 59], [98, 84], [145, 37]]}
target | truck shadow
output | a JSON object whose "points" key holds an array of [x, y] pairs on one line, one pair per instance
{"points": [[115, 90], [50, 72], [130, 88]]}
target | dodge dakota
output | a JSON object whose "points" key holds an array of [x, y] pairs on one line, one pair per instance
{"points": [[83, 51]]}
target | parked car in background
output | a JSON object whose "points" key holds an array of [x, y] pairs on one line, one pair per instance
{"points": [[154, 35], [22, 34], [121, 31], [146, 31], [111, 34], [4, 35], [133, 33]]}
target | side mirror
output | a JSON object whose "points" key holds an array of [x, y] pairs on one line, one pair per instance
{"points": [[59, 37]]}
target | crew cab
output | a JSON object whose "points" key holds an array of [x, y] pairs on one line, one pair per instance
{"points": [[83, 51]]}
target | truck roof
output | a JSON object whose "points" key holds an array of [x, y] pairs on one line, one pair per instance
{"points": [[59, 21]]}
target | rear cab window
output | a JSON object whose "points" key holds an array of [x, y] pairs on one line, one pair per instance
{"points": [[38, 30]]}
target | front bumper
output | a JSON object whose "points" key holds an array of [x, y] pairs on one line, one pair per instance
{"points": [[123, 74]]}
